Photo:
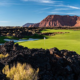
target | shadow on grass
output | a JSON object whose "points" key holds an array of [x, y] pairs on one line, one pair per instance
{"points": [[35, 36]]}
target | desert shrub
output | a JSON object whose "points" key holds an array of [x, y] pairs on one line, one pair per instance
{"points": [[21, 72], [2, 56]]}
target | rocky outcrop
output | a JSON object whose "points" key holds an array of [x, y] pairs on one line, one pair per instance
{"points": [[53, 64], [35, 25], [19, 32], [28, 24], [59, 21], [77, 22]]}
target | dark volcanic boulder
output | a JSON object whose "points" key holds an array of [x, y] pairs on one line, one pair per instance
{"points": [[2, 76], [7, 47]]}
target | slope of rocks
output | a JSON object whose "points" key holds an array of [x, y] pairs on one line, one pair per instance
{"points": [[58, 21], [53, 64], [19, 32]]}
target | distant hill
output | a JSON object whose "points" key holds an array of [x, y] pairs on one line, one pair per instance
{"points": [[58, 21], [28, 24]]}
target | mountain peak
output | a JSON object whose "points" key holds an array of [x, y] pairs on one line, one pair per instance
{"points": [[58, 21]]}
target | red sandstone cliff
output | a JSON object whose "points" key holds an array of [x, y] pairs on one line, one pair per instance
{"points": [[57, 20]]}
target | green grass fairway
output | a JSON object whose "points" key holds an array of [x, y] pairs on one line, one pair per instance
{"points": [[69, 41]]}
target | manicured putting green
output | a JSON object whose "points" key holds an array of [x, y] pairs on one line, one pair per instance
{"points": [[69, 41]]}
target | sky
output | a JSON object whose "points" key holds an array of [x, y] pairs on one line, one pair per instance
{"points": [[20, 12]]}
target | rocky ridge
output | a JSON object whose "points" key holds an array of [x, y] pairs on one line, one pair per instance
{"points": [[28, 24], [59, 21]]}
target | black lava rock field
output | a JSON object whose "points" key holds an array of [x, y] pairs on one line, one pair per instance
{"points": [[53, 64]]}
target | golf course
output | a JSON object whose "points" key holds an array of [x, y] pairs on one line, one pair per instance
{"points": [[70, 40]]}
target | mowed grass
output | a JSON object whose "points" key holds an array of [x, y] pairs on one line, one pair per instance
{"points": [[69, 41]]}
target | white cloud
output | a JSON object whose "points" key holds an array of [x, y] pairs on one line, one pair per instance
{"points": [[62, 9], [42, 1], [71, 13], [46, 8], [69, 6], [3, 3], [73, 7], [66, 6], [8, 2], [47, 1], [64, 13], [4, 21], [54, 12]]}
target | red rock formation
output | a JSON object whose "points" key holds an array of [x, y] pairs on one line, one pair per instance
{"points": [[34, 25], [77, 22], [57, 20]]}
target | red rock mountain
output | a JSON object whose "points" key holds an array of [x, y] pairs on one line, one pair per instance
{"points": [[58, 21]]}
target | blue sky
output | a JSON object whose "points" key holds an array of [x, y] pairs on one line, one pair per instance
{"points": [[19, 12]]}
